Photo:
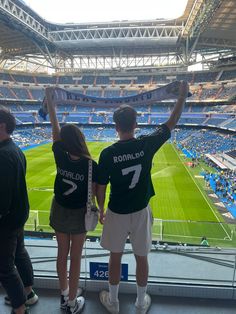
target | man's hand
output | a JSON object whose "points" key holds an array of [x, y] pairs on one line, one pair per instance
{"points": [[178, 108]]}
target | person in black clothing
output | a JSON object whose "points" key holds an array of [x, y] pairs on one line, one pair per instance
{"points": [[68, 209], [127, 166], [14, 211]]}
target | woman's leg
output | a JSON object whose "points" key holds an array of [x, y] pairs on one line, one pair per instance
{"points": [[77, 242], [63, 241]]}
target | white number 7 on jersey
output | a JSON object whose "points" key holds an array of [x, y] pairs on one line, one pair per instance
{"points": [[137, 170]]}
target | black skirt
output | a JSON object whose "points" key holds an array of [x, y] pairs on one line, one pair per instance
{"points": [[66, 220]]}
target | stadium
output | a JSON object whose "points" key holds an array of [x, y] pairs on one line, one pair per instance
{"points": [[194, 173]]}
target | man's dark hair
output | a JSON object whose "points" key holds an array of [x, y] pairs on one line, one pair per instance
{"points": [[125, 118], [7, 118]]}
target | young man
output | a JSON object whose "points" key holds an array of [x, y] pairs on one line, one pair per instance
{"points": [[16, 272], [127, 166]]}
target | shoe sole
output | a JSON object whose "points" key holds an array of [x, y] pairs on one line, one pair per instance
{"points": [[80, 311], [140, 310], [80, 292], [101, 300], [32, 301], [7, 302]]}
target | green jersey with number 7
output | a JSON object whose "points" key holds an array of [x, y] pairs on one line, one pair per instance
{"points": [[127, 166]]}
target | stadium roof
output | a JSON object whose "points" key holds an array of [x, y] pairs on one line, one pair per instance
{"points": [[206, 27], [215, 26]]}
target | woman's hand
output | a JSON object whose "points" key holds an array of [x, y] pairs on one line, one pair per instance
{"points": [[102, 216]]}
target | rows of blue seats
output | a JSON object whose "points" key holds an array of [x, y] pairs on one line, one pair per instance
{"points": [[204, 142], [204, 76]]}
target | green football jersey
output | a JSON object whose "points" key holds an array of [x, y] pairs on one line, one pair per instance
{"points": [[127, 166], [71, 183]]}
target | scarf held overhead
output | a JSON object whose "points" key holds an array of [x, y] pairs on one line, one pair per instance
{"points": [[63, 97]]}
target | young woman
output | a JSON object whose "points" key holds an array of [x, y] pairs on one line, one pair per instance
{"points": [[69, 204]]}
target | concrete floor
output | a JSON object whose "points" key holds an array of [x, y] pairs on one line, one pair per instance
{"points": [[49, 304]]}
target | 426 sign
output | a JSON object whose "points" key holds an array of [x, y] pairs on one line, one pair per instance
{"points": [[99, 271]]}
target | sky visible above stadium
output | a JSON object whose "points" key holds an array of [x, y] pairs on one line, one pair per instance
{"points": [[74, 11]]}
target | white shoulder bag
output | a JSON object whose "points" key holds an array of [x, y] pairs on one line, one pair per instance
{"points": [[92, 214]]}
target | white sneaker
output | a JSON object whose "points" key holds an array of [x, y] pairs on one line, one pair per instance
{"points": [[32, 298], [112, 307], [142, 309], [78, 308], [64, 299]]}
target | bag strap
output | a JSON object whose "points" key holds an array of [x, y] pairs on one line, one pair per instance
{"points": [[90, 193]]}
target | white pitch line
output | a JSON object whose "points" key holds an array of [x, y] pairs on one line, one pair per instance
{"points": [[185, 236], [203, 195]]}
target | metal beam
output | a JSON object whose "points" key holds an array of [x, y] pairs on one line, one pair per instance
{"points": [[200, 17], [216, 42], [9, 9], [157, 32]]}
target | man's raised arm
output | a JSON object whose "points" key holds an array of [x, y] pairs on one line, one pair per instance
{"points": [[178, 108]]}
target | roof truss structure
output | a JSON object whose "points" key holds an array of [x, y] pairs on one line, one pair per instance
{"points": [[25, 37]]}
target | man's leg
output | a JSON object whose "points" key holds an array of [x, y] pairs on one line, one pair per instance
{"points": [[9, 276], [141, 240], [141, 270], [25, 269], [110, 299], [115, 268], [114, 275], [115, 232], [142, 278]]}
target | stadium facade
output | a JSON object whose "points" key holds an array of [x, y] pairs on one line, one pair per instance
{"points": [[101, 60]]}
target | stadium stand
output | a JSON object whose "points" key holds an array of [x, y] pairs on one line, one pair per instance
{"points": [[206, 131]]}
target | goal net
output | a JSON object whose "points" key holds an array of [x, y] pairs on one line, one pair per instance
{"points": [[157, 230], [33, 221]]}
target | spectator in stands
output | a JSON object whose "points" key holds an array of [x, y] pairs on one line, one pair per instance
{"points": [[68, 208], [127, 165], [16, 272]]}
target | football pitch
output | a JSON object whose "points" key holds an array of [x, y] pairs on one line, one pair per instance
{"points": [[181, 208]]}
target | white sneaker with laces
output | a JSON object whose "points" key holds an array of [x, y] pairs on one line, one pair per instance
{"points": [[112, 307], [78, 308], [143, 309], [65, 298], [64, 301]]}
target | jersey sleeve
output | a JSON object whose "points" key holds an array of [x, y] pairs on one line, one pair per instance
{"points": [[58, 150], [156, 139], [103, 172]]}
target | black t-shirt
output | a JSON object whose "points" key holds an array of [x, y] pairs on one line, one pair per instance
{"points": [[127, 166], [71, 183]]}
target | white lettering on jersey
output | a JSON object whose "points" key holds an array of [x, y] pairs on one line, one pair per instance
{"points": [[72, 189], [137, 170], [70, 175], [126, 157]]}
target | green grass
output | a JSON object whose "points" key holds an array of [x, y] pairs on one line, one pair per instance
{"points": [[180, 196]]}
